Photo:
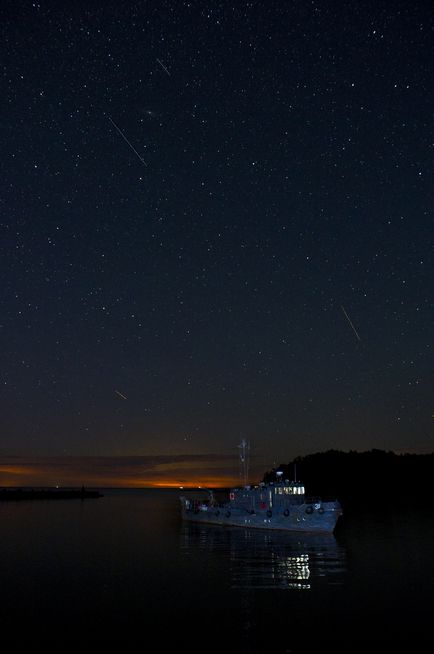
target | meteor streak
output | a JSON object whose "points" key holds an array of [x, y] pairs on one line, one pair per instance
{"points": [[127, 141], [163, 67], [120, 395], [351, 324]]}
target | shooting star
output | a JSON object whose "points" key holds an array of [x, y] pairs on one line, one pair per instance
{"points": [[349, 320], [127, 141], [163, 67], [120, 395]]}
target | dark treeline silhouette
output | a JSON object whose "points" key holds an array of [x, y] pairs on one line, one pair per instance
{"points": [[374, 480]]}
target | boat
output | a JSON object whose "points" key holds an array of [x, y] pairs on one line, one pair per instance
{"points": [[276, 505]]}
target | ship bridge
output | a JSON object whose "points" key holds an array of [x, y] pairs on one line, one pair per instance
{"points": [[288, 488], [283, 492]]}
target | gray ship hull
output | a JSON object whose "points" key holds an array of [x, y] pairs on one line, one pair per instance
{"points": [[320, 518]]}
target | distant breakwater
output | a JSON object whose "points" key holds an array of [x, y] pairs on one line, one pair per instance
{"points": [[18, 494]]}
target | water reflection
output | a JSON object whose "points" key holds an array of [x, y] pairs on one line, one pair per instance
{"points": [[260, 559]]}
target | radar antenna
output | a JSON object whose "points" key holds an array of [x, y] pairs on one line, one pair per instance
{"points": [[244, 448]]}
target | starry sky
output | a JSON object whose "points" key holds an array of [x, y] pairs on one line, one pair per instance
{"points": [[216, 223]]}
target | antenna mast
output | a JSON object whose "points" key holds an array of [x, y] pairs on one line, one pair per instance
{"points": [[244, 448]]}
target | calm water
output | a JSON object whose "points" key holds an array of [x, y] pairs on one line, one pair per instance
{"points": [[125, 568]]}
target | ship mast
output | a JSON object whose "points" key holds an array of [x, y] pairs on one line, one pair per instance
{"points": [[244, 448]]}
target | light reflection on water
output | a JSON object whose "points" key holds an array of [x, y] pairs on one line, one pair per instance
{"points": [[268, 560]]}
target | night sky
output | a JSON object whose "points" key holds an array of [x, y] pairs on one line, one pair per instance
{"points": [[216, 223]]}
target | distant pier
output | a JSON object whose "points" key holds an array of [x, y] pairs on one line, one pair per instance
{"points": [[18, 494]]}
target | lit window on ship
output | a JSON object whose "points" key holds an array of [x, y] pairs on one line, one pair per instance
{"points": [[289, 490]]}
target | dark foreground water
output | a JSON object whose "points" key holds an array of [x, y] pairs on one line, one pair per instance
{"points": [[124, 570]]}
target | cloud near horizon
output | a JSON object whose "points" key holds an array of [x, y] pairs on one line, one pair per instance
{"points": [[120, 471]]}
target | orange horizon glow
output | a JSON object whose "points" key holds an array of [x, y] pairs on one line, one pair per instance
{"points": [[202, 482], [113, 473], [159, 471], [216, 482]]}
